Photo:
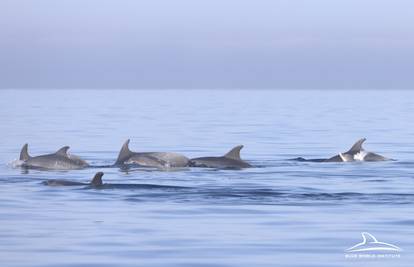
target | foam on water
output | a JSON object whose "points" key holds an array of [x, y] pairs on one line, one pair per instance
{"points": [[360, 156], [15, 163]]}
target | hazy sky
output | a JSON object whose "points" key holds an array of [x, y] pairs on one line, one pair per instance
{"points": [[206, 44]]}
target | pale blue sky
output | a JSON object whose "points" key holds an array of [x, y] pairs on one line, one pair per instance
{"points": [[206, 44]]}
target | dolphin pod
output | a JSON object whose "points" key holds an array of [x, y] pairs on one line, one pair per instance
{"points": [[355, 153], [62, 160]]}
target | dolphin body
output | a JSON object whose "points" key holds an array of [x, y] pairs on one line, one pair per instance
{"points": [[356, 153], [150, 159], [97, 183], [60, 160], [371, 244], [231, 160]]}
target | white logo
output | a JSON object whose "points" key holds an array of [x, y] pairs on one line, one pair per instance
{"points": [[370, 247]]}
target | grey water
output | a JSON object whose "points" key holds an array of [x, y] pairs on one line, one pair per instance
{"points": [[279, 213]]}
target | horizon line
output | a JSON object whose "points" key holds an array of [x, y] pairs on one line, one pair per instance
{"points": [[242, 88]]}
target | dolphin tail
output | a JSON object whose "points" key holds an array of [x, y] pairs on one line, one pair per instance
{"points": [[97, 179], [357, 147], [234, 153], [124, 153], [24, 154]]}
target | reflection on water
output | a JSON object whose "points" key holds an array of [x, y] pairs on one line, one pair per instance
{"points": [[280, 213]]}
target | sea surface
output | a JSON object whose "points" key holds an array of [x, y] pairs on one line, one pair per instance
{"points": [[280, 213]]}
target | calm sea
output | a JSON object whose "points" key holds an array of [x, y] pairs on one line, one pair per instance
{"points": [[281, 213]]}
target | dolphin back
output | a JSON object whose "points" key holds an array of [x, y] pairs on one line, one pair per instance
{"points": [[230, 160], [374, 157]]}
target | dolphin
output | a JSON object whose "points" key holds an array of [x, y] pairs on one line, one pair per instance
{"points": [[370, 243], [60, 160], [97, 183], [231, 160], [150, 159], [356, 153]]}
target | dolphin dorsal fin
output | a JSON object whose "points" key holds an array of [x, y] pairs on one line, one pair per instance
{"points": [[97, 179], [234, 153], [24, 154], [357, 146], [63, 151], [368, 238], [124, 153]]}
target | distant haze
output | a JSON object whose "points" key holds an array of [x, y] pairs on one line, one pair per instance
{"points": [[326, 44]]}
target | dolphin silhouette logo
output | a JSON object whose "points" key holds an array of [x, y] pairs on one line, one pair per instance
{"points": [[370, 243]]}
